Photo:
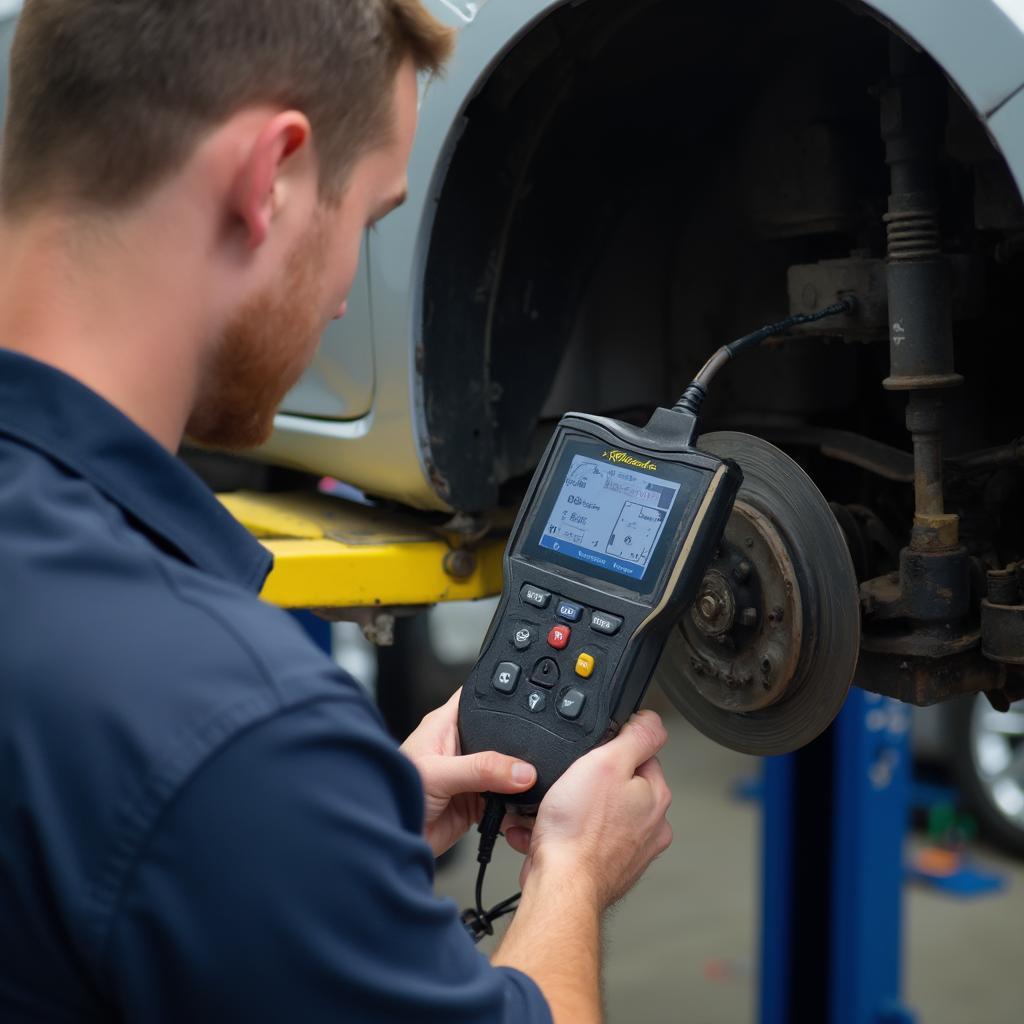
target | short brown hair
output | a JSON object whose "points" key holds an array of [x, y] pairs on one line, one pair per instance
{"points": [[109, 97]]}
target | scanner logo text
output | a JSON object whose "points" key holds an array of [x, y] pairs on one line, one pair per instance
{"points": [[625, 459]]}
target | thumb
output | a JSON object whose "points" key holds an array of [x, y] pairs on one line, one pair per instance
{"points": [[480, 773], [638, 740]]}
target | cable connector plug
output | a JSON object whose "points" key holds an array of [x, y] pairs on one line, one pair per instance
{"points": [[692, 400], [490, 828], [476, 924]]}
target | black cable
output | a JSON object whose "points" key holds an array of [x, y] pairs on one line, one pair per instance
{"points": [[693, 397], [480, 922]]}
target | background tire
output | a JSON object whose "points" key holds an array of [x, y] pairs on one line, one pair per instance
{"points": [[988, 766]]}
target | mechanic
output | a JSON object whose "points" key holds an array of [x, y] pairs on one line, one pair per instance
{"points": [[201, 817]]}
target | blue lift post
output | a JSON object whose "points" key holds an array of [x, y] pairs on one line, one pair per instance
{"points": [[834, 821]]}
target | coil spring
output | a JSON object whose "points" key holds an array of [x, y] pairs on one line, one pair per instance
{"points": [[912, 235]]}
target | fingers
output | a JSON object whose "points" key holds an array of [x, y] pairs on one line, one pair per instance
{"points": [[652, 773], [478, 773], [638, 740], [519, 839], [524, 872], [663, 839], [438, 732], [518, 821], [651, 770], [448, 713]]}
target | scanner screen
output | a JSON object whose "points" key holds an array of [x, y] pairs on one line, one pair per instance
{"points": [[609, 514]]}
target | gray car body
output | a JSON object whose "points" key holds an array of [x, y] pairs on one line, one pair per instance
{"points": [[359, 414]]}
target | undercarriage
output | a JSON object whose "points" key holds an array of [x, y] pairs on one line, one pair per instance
{"points": [[683, 181]]}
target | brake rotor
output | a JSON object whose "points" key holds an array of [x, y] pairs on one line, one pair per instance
{"points": [[763, 660]]}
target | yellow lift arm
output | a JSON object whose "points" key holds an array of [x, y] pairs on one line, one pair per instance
{"points": [[333, 554]]}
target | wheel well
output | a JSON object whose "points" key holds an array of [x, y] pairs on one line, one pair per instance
{"points": [[630, 187]]}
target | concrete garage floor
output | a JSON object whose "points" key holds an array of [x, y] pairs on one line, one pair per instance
{"points": [[683, 946]]}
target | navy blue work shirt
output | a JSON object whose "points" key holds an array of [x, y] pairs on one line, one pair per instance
{"points": [[201, 817]]}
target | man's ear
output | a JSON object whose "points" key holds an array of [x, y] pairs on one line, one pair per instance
{"points": [[257, 190]]}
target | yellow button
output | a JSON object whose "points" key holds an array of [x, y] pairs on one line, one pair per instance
{"points": [[585, 665]]}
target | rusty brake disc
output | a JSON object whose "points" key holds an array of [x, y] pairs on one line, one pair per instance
{"points": [[763, 660]]}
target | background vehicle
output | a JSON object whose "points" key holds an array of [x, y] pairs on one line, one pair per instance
{"points": [[602, 193]]}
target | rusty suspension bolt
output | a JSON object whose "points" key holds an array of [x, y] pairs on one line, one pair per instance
{"points": [[748, 617], [460, 564], [709, 606]]}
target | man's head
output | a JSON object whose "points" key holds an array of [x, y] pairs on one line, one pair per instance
{"points": [[288, 123]]}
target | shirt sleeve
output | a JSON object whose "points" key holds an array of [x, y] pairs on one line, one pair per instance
{"points": [[288, 881]]}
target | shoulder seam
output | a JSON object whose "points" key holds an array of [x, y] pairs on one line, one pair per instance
{"points": [[97, 479], [213, 613]]}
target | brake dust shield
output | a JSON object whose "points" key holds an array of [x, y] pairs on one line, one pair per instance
{"points": [[763, 660]]}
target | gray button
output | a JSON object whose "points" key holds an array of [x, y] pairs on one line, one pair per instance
{"points": [[605, 623], [569, 611], [506, 676], [570, 704], [545, 672], [537, 701], [523, 637], [535, 596]]}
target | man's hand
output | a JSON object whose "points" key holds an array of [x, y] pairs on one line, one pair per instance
{"points": [[598, 828], [453, 782], [606, 815]]}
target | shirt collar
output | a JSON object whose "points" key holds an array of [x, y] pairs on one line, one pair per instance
{"points": [[57, 415]]}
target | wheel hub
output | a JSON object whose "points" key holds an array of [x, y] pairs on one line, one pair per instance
{"points": [[743, 661], [764, 659]]}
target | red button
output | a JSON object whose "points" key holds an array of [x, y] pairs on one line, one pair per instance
{"points": [[559, 637]]}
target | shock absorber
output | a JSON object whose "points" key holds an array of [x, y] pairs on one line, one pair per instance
{"points": [[934, 569], [919, 283]]}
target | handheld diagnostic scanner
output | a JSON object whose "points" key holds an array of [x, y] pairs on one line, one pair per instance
{"points": [[614, 536], [611, 542], [616, 532]]}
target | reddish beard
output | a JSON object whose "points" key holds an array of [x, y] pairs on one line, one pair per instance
{"points": [[266, 348]]}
